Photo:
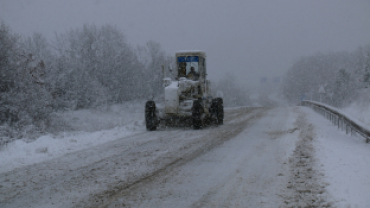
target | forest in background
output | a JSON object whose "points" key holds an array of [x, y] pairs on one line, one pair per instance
{"points": [[81, 68], [343, 77], [92, 66]]}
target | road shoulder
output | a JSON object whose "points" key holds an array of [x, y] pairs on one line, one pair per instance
{"points": [[343, 160]]}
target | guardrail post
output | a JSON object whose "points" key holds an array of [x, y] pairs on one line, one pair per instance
{"points": [[333, 122], [344, 124], [338, 121], [332, 118]]}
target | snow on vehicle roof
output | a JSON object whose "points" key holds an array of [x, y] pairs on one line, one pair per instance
{"points": [[191, 52]]}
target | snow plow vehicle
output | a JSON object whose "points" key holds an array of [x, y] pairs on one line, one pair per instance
{"points": [[187, 99]]}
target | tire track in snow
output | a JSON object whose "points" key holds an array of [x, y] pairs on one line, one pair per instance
{"points": [[306, 186], [111, 198]]}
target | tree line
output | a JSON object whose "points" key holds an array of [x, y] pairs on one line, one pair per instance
{"points": [[343, 76], [80, 68]]}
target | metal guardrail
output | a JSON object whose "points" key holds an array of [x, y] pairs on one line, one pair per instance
{"points": [[343, 122]]}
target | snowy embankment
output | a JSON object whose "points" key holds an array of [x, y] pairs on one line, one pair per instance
{"points": [[344, 161], [77, 130], [360, 108], [360, 112]]}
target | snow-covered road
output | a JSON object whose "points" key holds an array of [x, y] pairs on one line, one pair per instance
{"points": [[260, 157], [249, 170]]}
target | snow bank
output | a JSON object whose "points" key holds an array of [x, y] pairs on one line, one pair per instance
{"points": [[360, 112], [345, 162], [360, 108], [107, 117], [82, 129]]}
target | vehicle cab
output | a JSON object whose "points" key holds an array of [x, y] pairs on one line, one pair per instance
{"points": [[188, 60]]}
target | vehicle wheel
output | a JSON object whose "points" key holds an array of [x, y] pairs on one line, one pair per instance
{"points": [[220, 111], [150, 117], [217, 111], [196, 115], [213, 111]]}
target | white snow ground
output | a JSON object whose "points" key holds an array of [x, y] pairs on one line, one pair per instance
{"points": [[360, 112], [345, 161], [250, 170], [80, 176], [83, 129], [360, 108]]}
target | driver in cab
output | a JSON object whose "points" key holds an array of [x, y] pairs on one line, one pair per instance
{"points": [[193, 75]]}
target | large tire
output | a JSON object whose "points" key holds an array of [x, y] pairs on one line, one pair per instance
{"points": [[150, 117], [196, 116], [217, 111], [213, 111], [220, 111]]}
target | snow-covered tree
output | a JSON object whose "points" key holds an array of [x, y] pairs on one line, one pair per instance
{"points": [[98, 66], [24, 98], [82, 68], [340, 73], [155, 61]]}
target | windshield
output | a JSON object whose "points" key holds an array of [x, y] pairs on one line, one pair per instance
{"points": [[185, 63]]}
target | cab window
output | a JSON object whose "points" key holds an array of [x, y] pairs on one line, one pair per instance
{"points": [[185, 63]]}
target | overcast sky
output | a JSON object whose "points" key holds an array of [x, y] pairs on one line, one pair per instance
{"points": [[250, 38]]}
